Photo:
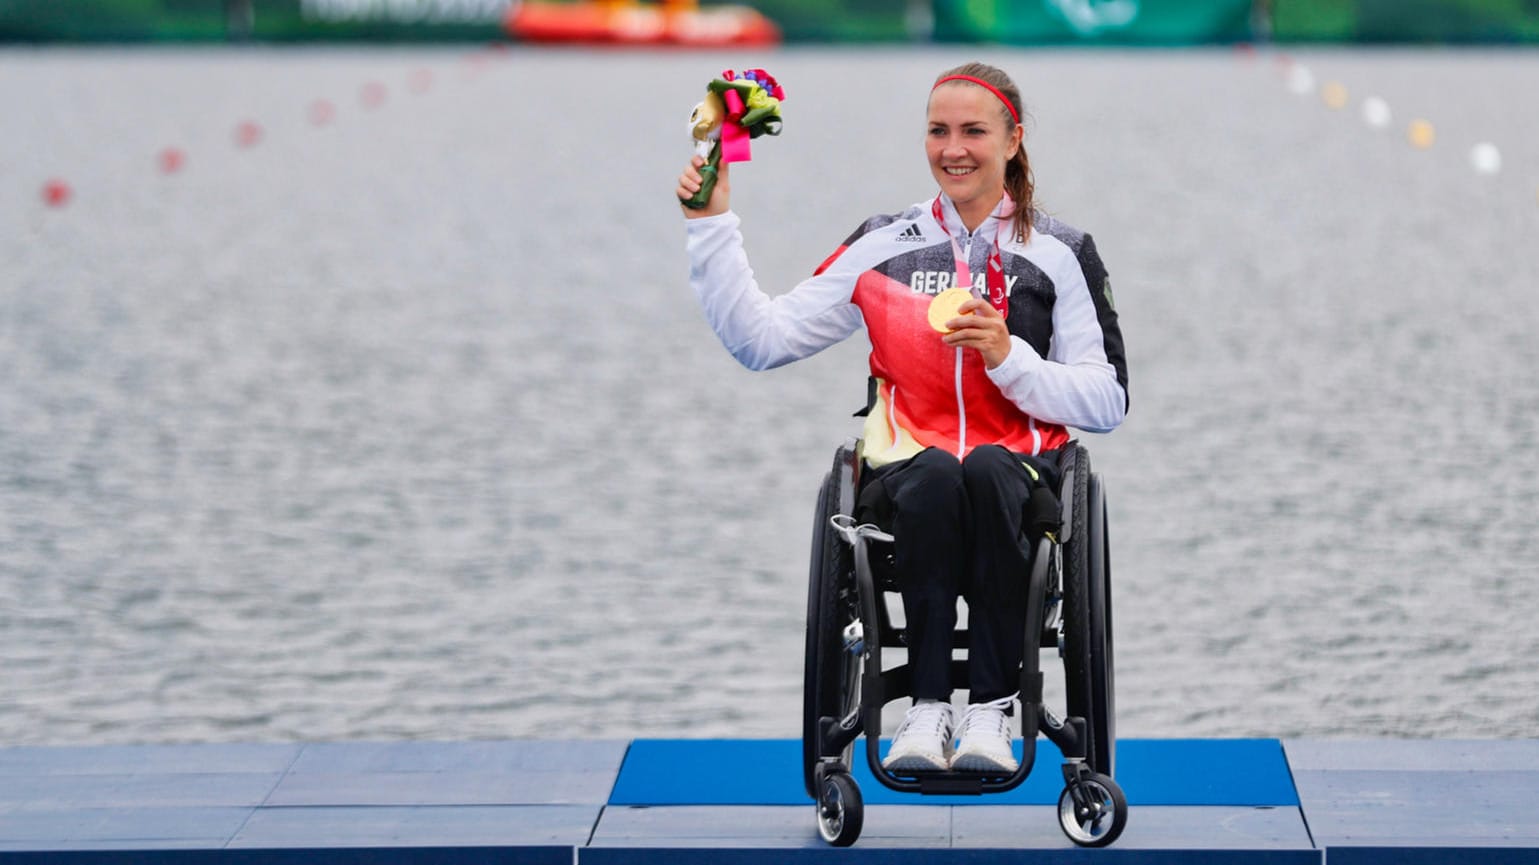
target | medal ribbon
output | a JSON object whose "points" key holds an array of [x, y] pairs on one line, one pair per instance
{"points": [[994, 276]]}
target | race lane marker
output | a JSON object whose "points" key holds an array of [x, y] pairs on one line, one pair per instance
{"points": [[1334, 95], [1485, 158], [1376, 112], [247, 134], [56, 193], [1421, 134], [171, 160], [1300, 80], [372, 95], [321, 112]]}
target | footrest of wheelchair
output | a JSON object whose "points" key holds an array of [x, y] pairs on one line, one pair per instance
{"points": [[950, 784]]}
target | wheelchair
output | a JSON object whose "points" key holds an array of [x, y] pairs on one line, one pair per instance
{"points": [[848, 626]]}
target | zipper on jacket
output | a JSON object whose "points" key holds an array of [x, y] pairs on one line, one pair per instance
{"points": [[961, 410], [967, 255]]}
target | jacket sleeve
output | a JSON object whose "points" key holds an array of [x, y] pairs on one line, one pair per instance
{"points": [[763, 332], [1083, 381]]}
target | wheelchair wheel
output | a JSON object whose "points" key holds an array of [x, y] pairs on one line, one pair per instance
{"points": [[830, 676], [1092, 810], [841, 813], [1102, 679], [1087, 617]]}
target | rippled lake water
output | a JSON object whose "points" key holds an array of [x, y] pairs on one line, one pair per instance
{"points": [[405, 425]]}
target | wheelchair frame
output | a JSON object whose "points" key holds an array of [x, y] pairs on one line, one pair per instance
{"points": [[848, 625]]}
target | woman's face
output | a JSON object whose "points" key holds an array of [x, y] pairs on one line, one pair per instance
{"points": [[969, 140]]}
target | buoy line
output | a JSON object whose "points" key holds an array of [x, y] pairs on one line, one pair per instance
{"points": [[1484, 158], [57, 192]]}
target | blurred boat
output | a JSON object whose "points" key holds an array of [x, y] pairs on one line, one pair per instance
{"points": [[626, 22]]}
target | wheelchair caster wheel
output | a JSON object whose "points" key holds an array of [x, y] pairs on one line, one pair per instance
{"points": [[1092, 810], [840, 810]]}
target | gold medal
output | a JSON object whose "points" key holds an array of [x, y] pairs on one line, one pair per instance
{"points": [[943, 307]]}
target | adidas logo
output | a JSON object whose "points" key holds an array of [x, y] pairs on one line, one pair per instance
{"points": [[912, 234]]}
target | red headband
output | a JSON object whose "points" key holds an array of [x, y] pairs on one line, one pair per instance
{"points": [[986, 86]]}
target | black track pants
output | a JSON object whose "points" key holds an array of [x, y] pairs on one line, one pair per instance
{"points": [[959, 532]]}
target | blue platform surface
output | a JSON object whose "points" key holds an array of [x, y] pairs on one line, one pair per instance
{"points": [[1152, 772], [741, 801]]}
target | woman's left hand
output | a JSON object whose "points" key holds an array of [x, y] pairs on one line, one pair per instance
{"points": [[979, 325]]}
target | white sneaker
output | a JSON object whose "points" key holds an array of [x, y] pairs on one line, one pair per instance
{"points": [[985, 745], [923, 740]]}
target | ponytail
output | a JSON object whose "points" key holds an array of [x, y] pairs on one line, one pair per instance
{"points": [[1020, 186]]}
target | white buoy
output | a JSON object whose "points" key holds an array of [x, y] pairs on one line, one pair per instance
{"points": [[1485, 158], [1300, 80], [1376, 112]]}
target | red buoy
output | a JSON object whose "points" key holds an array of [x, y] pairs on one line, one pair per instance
{"points": [[372, 95], [56, 193], [247, 134], [322, 112], [171, 160]]}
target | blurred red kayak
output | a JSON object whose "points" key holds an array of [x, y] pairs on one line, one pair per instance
{"points": [[597, 22]]}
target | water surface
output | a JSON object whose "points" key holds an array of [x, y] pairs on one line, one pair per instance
{"points": [[407, 426]]}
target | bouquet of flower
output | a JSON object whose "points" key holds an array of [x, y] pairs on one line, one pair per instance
{"points": [[738, 106]]}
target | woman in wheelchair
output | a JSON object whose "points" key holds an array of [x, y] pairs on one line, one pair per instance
{"points": [[992, 330], [963, 529]]}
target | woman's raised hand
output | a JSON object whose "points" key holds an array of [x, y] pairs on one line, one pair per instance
{"points": [[690, 183]]}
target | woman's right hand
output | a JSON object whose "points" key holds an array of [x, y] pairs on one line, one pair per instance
{"points": [[690, 182]]}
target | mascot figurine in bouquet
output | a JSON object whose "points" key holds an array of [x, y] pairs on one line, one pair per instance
{"points": [[737, 107]]}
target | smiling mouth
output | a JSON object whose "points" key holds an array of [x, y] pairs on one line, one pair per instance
{"points": [[960, 172]]}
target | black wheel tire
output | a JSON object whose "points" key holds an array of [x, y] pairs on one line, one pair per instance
{"points": [[1098, 813], [1103, 703], [841, 813], [825, 665], [1077, 662]]}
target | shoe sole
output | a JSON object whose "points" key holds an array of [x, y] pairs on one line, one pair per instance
{"points": [[982, 763], [914, 763]]}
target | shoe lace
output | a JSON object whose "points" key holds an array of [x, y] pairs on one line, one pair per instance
{"points": [[989, 718], [928, 717]]}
